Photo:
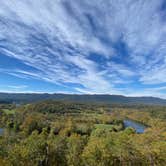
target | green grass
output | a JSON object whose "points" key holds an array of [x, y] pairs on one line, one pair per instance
{"points": [[101, 129], [7, 111], [104, 126], [108, 127]]}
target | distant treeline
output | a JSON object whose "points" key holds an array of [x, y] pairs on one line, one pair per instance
{"points": [[96, 99], [5, 102]]}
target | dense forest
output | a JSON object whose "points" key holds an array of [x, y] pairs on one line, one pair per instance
{"points": [[59, 133]]}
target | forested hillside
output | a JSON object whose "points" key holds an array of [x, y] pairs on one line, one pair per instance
{"points": [[97, 99], [56, 133]]}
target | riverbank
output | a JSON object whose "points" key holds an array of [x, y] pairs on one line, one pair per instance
{"points": [[139, 127]]}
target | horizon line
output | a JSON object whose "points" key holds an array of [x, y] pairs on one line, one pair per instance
{"points": [[81, 94]]}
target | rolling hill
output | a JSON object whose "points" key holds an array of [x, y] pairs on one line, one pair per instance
{"points": [[101, 99]]}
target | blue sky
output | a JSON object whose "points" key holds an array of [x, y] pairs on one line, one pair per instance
{"points": [[83, 46]]}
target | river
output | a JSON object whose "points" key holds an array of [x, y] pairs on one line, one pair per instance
{"points": [[1, 131], [139, 127]]}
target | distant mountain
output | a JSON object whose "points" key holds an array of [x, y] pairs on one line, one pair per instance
{"points": [[101, 99]]}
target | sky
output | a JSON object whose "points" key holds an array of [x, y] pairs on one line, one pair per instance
{"points": [[83, 47]]}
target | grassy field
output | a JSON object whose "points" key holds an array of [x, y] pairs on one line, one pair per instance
{"points": [[104, 126], [7, 111]]}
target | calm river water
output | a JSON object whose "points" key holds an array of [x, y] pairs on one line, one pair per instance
{"points": [[139, 127], [1, 131]]}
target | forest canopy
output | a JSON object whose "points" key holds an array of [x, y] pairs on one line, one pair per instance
{"points": [[58, 133]]}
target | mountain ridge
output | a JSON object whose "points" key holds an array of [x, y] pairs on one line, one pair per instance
{"points": [[85, 98]]}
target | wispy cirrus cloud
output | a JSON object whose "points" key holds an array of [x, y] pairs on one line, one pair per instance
{"points": [[100, 47]]}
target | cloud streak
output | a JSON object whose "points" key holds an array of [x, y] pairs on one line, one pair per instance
{"points": [[99, 47]]}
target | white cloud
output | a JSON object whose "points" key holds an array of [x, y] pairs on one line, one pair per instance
{"points": [[121, 69], [57, 38], [17, 87]]}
